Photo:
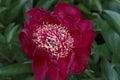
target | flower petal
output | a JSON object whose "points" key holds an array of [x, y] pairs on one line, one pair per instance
{"points": [[69, 23], [82, 52], [61, 71], [85, 25], [65, 66], [32, 24], [39, 64], [77, 37], [87, 38], [63, 9], [81, 60], [37, 13], [53, 73], [27, 47]]}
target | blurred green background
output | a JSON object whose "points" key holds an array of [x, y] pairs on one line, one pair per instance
{"points": [[104, 63]]}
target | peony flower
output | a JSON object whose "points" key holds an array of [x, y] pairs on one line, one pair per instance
{"points": [[58, 42]]}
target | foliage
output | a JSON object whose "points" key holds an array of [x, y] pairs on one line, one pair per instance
{"points": [[104, 63]]}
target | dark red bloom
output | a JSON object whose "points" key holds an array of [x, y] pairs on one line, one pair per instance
{"points": [[58, 42]]}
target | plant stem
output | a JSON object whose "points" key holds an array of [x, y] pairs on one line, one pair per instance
{"points": [[6, 58]]}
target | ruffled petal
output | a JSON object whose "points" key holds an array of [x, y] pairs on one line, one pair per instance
{"points": [[61, 70], [82, 52], [39, 64], [37, 13], [81, 60], [26, 44], [83, 39], [87, 38], [63, 9], [69, 23], [85, 25], [32, 24], [53, 73], [65, 66], [77, 37]]}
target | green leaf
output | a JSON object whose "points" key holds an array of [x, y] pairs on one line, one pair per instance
{"points": [[72, 77], [10, 31], [111, 37], [5, 2], [15, 69], [114, 19], [30, 78], [101, 50], [45, 4], [28, 5], [19, 56], [1, 25], [2, 9], [68, 1], [2, 39], [83, 8], [116, 60], [98, 4], [112, 40], [90, 75], [109, 73], [114, 5], [15, 9], [8, 28]]}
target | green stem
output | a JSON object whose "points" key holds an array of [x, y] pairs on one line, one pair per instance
{"points": [[90, 75], [6, 58]]}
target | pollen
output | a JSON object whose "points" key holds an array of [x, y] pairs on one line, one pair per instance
{"points": [[53, 38]]}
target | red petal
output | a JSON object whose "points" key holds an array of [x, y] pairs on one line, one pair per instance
{"points": [[87, 38], [68, 21], [81, 60], [62, 69], [39, 64], [65, 66], [82, 52], [26, 43], [77, 35], [37, 13], [52, 19], [63, 9], [85, 25], [71, 60], [32, 24], [53, 73]]}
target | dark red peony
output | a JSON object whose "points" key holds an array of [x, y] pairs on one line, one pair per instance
{"points": [[58, 42]]}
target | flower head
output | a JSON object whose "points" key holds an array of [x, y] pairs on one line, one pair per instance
{"points": [[53, 38], [58, 42]]}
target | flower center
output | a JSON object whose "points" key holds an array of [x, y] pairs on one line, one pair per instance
{"points": [[55, 39]]}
